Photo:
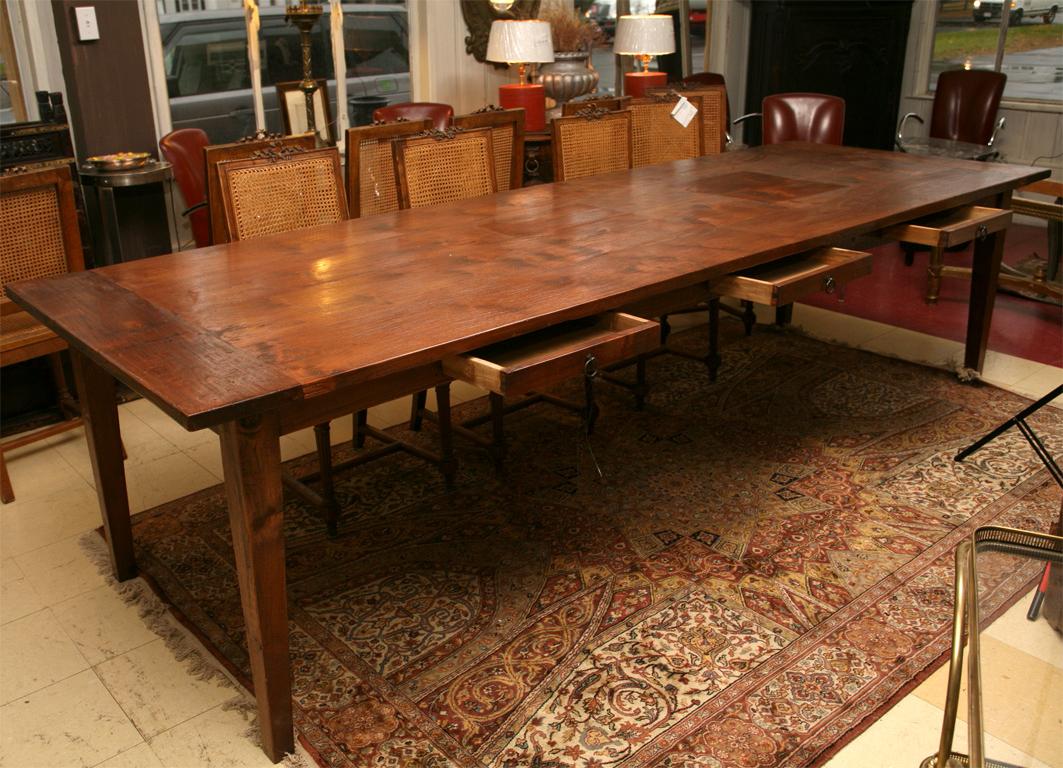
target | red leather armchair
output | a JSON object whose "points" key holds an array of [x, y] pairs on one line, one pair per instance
{"points": [[183, 149], [813, 117], [441, 115], [966, 102]]}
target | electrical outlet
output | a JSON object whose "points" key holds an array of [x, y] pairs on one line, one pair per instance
{"points": [[88, 29]]}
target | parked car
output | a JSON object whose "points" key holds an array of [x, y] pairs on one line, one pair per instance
{"points": [[983, 10], [208, 77]]}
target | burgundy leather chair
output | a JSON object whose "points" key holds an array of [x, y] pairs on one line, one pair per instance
{"points": [[966, 102], [441, 115], [813, 117], [183, 149]]}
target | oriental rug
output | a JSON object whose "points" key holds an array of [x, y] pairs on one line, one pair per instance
{"points": [[762, 566]]}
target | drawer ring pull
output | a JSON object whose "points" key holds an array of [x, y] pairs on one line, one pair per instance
{"points": [[828, 284], [982, 232], [590, 366]]}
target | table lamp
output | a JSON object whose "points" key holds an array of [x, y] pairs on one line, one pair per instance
{"points": [[524, 41], [644, 37]]}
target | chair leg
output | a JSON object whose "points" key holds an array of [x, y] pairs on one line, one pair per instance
{"points": [[7, 493], [713, 360], [498, 432], [666, 329], [749, 317], [909, 254], [360, 420], [933, 275], [447, 462], [784, 313], [417, 410], [324, 461]]}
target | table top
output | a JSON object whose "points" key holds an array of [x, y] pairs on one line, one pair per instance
{"points": [[152, 172], [216, 333]]}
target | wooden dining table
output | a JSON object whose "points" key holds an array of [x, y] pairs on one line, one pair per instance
{"points": [[260, 338]]}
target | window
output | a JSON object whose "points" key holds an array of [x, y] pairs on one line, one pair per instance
{"points": [[207, 76], [967, 34]]}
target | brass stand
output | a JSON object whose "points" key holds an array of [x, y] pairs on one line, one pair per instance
{"points": [[1037, 546], [305, 16]]}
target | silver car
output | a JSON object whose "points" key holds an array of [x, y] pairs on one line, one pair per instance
{"points": [[208, 78]]}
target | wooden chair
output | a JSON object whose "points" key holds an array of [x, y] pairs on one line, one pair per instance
{"points": [[608, 103], [444, 166], [715, 113], [38, 238], [656, 137], [183, 149], [286, 189], [371, 184], [238, 150], [590, 142], [507, 142], [440, 115], [292, 103]]}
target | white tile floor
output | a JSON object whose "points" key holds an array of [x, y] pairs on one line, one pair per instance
{"points": [[85, 681]]}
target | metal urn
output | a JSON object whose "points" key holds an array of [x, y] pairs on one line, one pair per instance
{"points": [[570, 75]]}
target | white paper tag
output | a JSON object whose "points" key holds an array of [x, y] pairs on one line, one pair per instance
{"points": [[684, 111]]}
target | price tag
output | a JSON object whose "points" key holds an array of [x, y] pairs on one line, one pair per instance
{"points": [[683, 111]]}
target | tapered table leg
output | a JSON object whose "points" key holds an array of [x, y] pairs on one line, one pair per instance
{"points": [[99, 410], [252, 462], [988, 253]]}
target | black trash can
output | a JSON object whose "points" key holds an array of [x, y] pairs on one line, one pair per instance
{"points": [[360, 108]]}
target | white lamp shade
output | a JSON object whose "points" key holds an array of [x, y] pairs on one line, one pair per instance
{"points": [[639, 35], [525, 41]]}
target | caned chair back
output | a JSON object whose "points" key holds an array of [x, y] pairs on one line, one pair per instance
{"points": [[238, 150], [608, 103], [590, 142], [507, 142], [38, 228], [444, 166], [715, 114], [371, 186], [281, 192], [657, 137]]}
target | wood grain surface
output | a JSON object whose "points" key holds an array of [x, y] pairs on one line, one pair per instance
{"points": [[217, 333]]}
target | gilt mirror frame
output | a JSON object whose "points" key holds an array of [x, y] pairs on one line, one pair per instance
{"points": [[479, 14]]}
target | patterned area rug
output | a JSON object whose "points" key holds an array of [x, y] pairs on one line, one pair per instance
{"points": [[764, 566]]}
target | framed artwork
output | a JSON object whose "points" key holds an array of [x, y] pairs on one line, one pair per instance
{"points": [[292, 104]]}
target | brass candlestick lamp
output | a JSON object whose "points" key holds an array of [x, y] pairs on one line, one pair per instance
{"points": [[304, 15]]}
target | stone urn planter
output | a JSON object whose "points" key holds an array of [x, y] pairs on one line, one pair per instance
{"points": [[570, 75]]}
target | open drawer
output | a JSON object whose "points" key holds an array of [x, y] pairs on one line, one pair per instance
{"points": [[955, 227], [544, 358], [782, 282]]}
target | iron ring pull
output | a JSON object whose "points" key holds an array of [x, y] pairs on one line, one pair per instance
{"points": [[828, 284], [590, 366], [982, 232]]}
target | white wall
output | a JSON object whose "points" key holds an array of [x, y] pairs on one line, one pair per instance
{"points": [[1034, 132]]}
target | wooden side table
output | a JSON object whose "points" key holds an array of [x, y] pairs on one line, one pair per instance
{"points": [[538, 158]]}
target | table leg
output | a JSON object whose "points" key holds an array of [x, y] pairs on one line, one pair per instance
{"points": [[252, 463], [988, 253], [109, 214], [99, 410]]}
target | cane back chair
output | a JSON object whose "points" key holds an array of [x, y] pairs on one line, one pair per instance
{"points": [[590, 142], [38, 238], [371, 166], [507, 142], [444, 166], [238, 150], [608, 103], [285, 189], [715, 114], [656, 137]]}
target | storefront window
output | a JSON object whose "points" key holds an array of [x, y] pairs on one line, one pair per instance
{"points": [[967, 34], [205, 58]]}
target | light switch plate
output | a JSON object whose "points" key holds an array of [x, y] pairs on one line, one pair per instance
{"points": [[87, 27]]}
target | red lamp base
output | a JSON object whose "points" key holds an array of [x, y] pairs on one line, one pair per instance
{"points": [[532, 97], [637, 83]]}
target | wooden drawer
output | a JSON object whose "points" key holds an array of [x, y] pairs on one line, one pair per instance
{"points": [[783, 282], [953, 228], [544, 358]]}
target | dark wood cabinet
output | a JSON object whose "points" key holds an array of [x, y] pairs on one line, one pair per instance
{"points": [[854, 49]]}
